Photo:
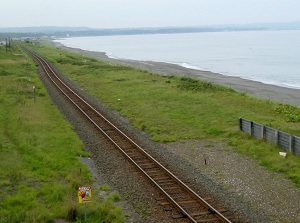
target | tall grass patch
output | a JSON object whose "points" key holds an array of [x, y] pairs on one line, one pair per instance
{"points": [[39, 167]]}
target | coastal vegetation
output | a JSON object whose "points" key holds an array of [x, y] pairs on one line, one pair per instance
{"points": [[39, 168], [176, 108]]}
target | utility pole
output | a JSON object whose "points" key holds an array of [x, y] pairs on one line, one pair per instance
{"points": [[6, 44]]}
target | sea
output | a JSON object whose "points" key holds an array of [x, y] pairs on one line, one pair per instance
{"points": [[271, 57]]}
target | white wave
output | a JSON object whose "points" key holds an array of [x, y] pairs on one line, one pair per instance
{"points": [[187, 65], [112, 56]]}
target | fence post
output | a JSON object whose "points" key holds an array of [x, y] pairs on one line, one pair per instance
{"points": [[240, 124], [276, 137], [291, 144], [263, 131]]}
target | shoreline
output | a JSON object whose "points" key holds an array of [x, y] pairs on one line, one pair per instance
{"points": [[254, 88]]}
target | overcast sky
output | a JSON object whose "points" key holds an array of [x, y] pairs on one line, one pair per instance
{"points": [[144, 13]]}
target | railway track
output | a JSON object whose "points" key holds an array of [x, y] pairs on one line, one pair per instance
{"points": [[188, 203]]}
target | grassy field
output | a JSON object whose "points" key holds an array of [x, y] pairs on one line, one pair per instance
{"points": [[39, 167], [39, 176], [172, 108]]}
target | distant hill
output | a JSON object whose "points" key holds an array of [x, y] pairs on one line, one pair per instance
{"points": [[42, 29], [268, 26], [59, 32]]}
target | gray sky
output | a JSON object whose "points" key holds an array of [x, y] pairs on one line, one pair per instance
{"points": [[142, 13]]}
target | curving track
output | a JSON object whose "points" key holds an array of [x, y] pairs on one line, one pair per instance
{"points": [[189, 204]]}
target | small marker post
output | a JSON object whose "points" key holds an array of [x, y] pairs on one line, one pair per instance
{"points": [[33, 93]]}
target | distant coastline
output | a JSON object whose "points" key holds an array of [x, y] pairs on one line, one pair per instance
{"points": [[269, 57], [59, 32]]}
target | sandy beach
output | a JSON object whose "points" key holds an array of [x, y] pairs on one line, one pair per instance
{"points": [[256, 89]]}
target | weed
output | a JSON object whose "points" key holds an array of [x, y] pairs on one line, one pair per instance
{"points": [[142, 211], [292, 113], [191, 84], [115, 197], [226, 186], [104, 187]]}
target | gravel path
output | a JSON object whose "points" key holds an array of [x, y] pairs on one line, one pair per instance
{"points": [[231, 180]]}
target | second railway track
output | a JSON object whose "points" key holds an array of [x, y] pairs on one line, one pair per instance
{"points": [[189, 204]]}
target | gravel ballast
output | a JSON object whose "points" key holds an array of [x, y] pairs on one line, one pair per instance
{"points": [[232, 181]]}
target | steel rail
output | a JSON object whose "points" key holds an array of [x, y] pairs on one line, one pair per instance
{"points": [[69, 93]]}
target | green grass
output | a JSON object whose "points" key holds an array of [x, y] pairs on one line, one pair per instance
{"points": [[173, 108], [39, 168]]}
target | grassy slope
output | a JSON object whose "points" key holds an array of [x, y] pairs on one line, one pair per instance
{"points": [[173, 108], [39, 169]]}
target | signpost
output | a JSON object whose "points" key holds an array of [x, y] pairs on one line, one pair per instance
{"points": [[84, 196]]}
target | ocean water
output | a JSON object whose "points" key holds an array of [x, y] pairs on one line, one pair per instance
{"points": [[271, 57]]}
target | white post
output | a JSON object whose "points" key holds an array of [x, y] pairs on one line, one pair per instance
{"points": [[33, 93]]}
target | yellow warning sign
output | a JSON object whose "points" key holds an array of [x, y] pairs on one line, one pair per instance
{"points": [[84, 194]]}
